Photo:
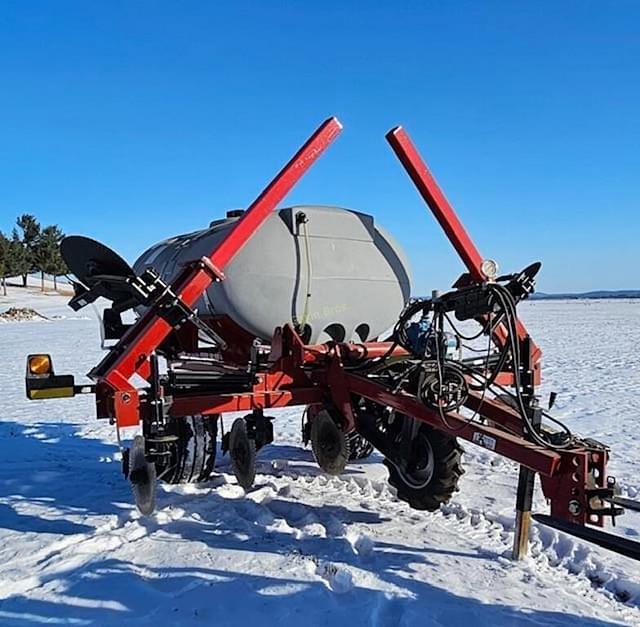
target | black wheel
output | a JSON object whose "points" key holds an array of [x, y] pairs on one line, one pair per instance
{"points": [[359, 448], [242, 450], [329, 443], [187, 453], [431, 475]]}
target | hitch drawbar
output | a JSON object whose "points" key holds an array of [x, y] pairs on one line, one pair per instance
{"points": [[609, 541]]}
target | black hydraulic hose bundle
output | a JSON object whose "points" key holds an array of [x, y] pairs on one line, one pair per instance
{"points": [[448, 370], [508, 303]]}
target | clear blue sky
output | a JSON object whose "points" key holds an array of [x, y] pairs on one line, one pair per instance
{"points": [[133, 121]]}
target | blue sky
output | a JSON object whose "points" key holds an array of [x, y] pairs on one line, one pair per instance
{"points": [[132, 121]]}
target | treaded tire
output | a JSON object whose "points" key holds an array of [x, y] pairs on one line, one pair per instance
{"points": [[446, 471], [359, 448], [192, 457]]}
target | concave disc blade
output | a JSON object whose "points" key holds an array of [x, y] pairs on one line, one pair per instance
{"points": [[142, 477], [86, 258]]}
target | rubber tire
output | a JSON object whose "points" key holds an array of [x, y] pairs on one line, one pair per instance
{"points": [[193, 456], [359, 448], [447, 470]]}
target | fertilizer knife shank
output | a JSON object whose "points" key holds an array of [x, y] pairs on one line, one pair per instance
{"points": [[146, 335]]}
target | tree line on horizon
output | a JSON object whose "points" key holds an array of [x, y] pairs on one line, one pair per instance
{"points": [[31, 248]]}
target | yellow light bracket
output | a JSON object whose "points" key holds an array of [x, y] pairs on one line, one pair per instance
{"points": [[42, 382]]}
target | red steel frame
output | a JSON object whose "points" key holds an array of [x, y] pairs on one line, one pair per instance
{"points": [[133, 350], [324, 379]]}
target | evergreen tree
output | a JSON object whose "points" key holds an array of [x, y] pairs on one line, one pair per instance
{"points": [[30, 228], [4, 260], [58, 265], [47, 255], [46, 251], [31, 249], [18, 263]]}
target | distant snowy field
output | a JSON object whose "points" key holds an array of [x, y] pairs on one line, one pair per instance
{"points": [[302, 548]]}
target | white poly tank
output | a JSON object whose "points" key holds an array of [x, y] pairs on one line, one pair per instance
{"points": [[332, 271]]}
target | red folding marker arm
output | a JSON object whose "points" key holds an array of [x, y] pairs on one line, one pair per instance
{"points": [[443, 211], [131, 353]]}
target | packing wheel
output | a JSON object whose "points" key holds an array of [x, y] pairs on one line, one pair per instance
{"points": [[187, 453]]}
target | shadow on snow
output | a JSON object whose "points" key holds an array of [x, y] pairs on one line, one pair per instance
{"points": [[45, 465]]}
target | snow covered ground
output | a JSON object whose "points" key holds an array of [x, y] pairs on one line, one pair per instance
{"points": [[302, 547]]}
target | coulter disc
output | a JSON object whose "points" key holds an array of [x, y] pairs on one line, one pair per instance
{"points": [[329, 444], [242, 450], [142, 477]]}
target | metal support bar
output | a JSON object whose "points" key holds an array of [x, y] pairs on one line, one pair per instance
{"points": [[270, 399], [524, 501], [623, 502], [617, 544], [537, 458], [279, 187], [526, 477], [434, 197]]}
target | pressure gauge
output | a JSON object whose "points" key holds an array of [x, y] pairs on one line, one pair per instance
{"points": [[489, 268]]}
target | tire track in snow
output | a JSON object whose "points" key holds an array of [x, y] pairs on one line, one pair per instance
{"points": [[278, 506], [551, 552]]}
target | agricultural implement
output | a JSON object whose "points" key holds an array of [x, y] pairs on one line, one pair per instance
{"points": [[196, 351]]}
